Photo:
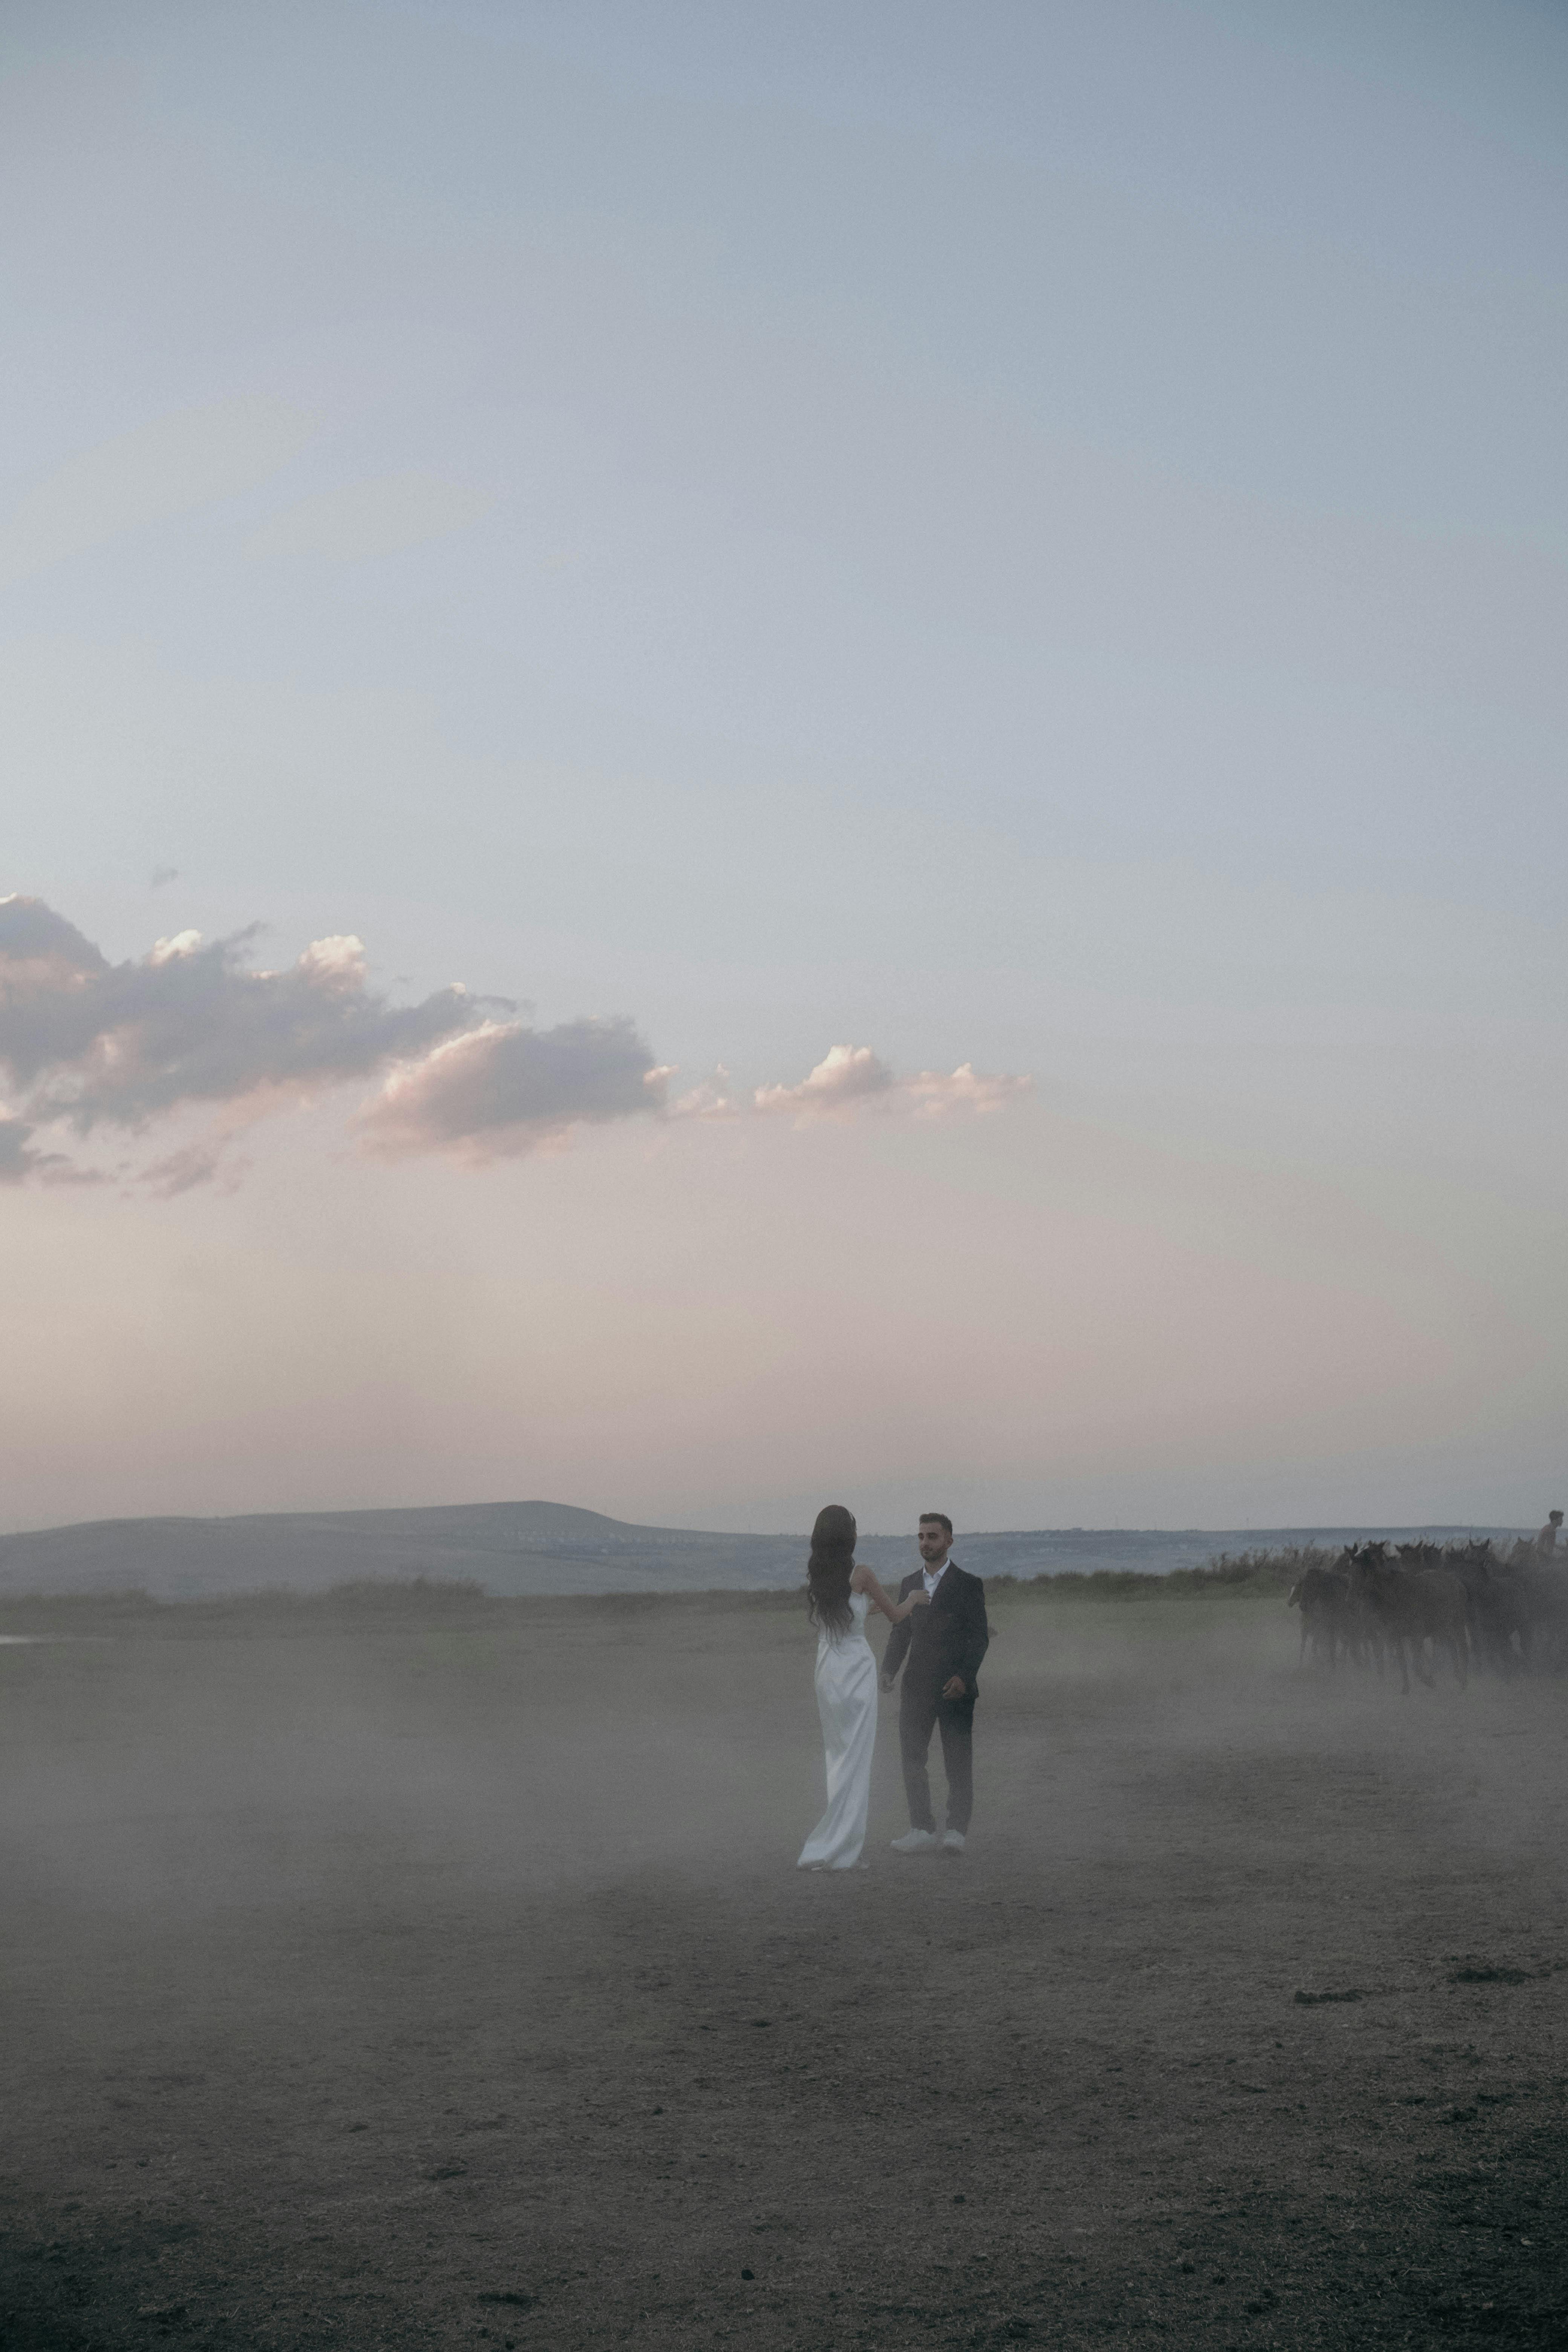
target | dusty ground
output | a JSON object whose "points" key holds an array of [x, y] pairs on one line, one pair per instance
{"points": [[432, 1975]]}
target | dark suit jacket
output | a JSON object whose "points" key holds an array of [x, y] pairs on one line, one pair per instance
{"points": [[950, 1637]]}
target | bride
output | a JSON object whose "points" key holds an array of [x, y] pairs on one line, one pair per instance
{"points": [[839, 1595]]}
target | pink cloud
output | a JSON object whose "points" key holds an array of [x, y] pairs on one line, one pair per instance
{"points": [[504, 1089], [851, 1078]]}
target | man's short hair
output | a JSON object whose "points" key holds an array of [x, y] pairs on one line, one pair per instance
{"points": [[938, 1518]]}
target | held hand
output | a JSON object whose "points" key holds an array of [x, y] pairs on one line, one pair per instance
{"points": [[921, 1600], [954, 1686]]}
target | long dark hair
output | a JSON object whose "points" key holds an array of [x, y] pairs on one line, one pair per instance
{"points": [[827, 1569]]}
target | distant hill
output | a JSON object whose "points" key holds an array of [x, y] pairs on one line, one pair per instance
{"points": [[508, 1548], [518, 1548]]}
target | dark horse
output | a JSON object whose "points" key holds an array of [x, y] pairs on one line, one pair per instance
{"points": [[1329, 1620], [1412, 1607]]}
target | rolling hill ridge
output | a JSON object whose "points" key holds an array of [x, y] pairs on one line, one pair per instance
{"points": [[519, 1549]]}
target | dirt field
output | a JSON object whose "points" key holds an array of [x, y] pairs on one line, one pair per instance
{"points": [[429, 1974]]}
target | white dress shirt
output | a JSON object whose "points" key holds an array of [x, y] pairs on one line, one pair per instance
{"points": [[931, 1578]]}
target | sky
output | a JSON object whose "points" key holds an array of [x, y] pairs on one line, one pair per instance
{"points": [[769, 756]]}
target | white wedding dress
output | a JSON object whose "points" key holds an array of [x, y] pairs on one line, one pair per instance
{"points": [[846, 1702]]}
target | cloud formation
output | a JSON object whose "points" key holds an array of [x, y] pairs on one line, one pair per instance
{"points": [[504, 1089], [850, 1079], [846, 1076], [935, 1094], [89, 1048], [86, 1044], [92, 1043], [17, 1159]]}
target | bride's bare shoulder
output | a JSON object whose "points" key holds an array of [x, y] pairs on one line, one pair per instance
{"points": [[860, 1578]]}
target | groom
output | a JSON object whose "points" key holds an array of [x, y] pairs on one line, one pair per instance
{"points": [[944, 1644]]}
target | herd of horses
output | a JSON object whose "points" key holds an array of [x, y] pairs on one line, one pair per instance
{"points": [[1409, 1603]]}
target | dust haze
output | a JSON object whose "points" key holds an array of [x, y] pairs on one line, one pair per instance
{"points": [[411, 1968]]}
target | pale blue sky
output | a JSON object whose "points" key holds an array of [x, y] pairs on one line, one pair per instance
{"points": [[1024, 535]]}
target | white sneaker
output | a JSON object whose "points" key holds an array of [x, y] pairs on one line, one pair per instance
{"points": [[915, 1841], [952, 1841]]}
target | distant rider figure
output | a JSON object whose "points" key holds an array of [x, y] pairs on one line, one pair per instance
{"points": [[1546, 1550]]}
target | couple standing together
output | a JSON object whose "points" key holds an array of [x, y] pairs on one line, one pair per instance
{"points": [[940, 1635]]}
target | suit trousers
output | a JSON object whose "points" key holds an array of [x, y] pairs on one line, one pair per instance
{"points": [[921, 1710]]}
